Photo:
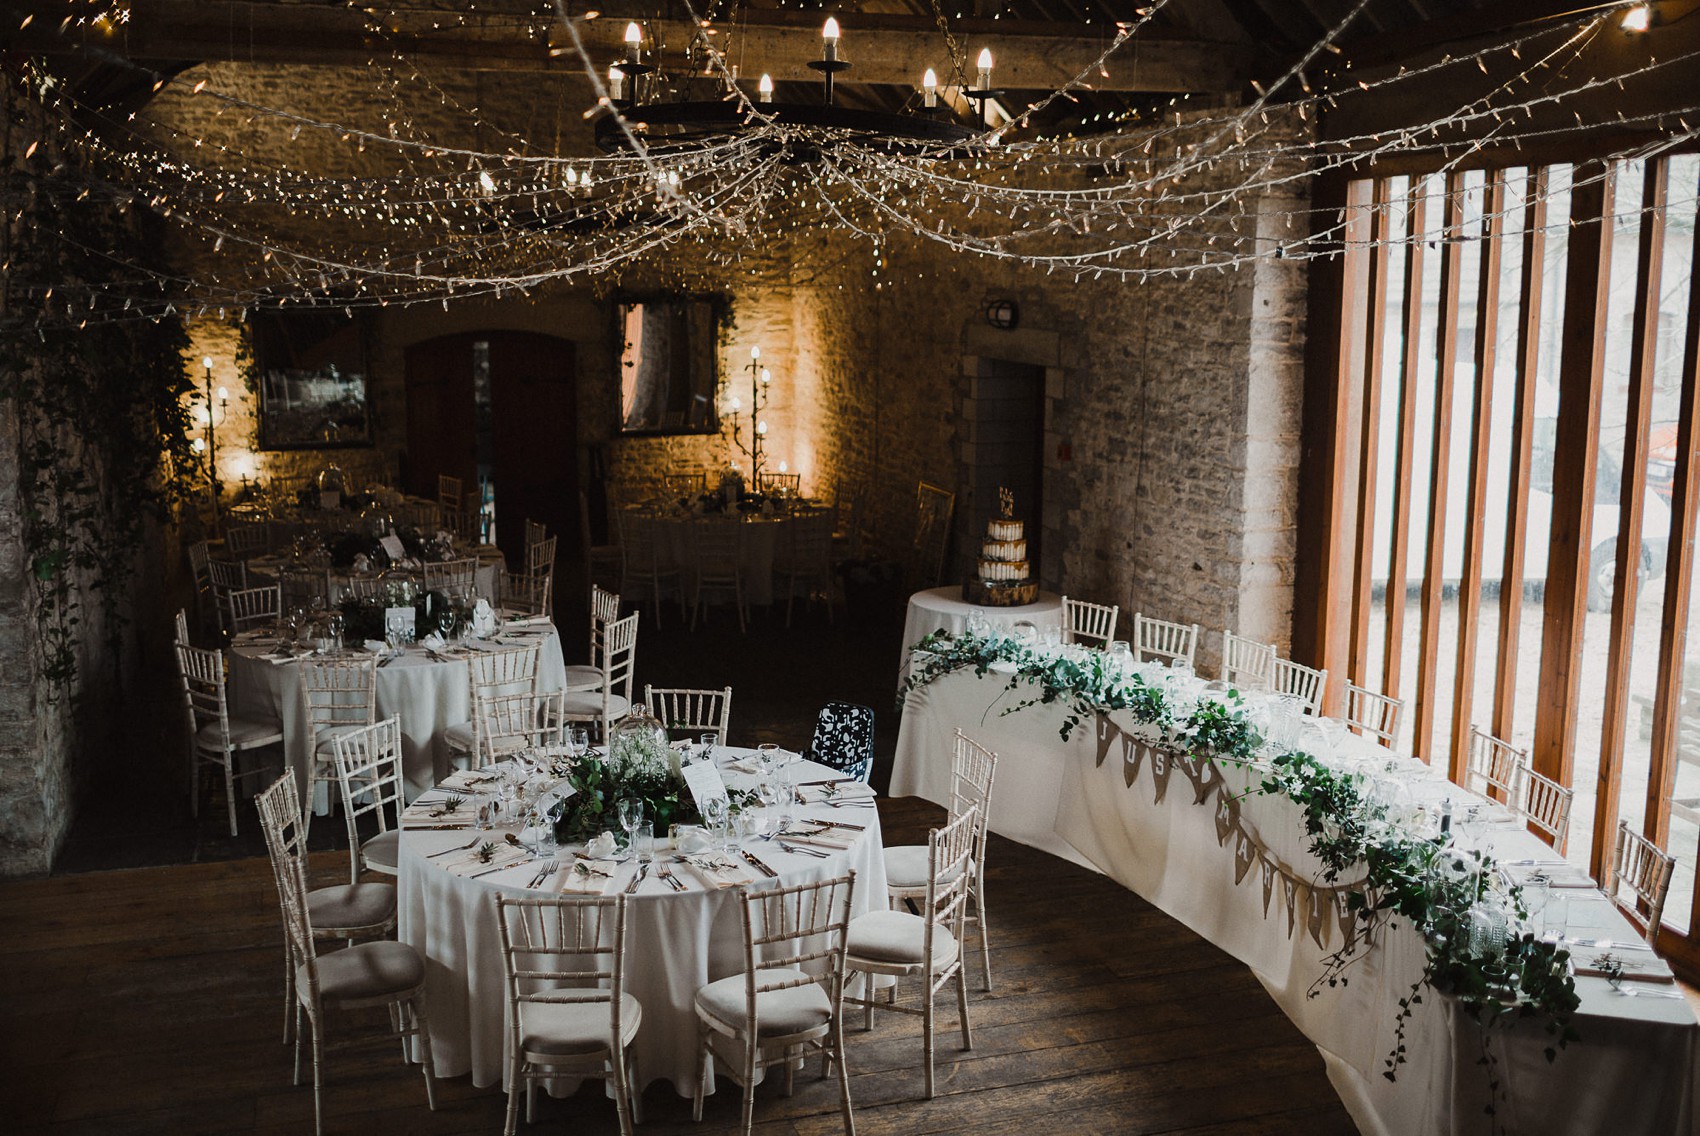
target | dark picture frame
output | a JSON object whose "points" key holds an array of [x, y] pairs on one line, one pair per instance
{"points": [[667, 362], [313, 373]]}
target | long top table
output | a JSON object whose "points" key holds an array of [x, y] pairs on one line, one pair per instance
{"points": [[676, 942], [1132, 816]]}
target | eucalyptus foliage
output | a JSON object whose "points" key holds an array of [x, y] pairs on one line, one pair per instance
{"points": [[1427, 881]]}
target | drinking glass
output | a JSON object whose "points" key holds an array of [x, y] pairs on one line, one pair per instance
{"points": [[767, 757], [1536, 895], [1181, 668], [644, 840], [630, 813], [705, 745], [715, 814], [578, 741]]}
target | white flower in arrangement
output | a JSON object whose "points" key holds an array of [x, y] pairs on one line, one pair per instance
{"points": [[639, 755]]}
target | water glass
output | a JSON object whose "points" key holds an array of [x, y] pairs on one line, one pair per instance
{"points": [[767, 757], [1182, 668], [1555, 919], [705, 745], [578, 741], [643, 841], [1121, 654]]}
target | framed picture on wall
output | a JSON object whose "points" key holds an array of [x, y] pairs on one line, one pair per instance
{"points": [[669, 362], [313, 377]]}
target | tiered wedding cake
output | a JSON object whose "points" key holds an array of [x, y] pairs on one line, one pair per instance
{"points": [[1003, 578]]}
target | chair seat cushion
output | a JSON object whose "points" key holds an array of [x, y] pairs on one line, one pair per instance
{"points": [[366, 970], [779, 1013], [459, 738], [569, 1029], [588, 704], [380, 852], [244, 733], [897, 937], [350, 905], [906, 868], [581, 678]]}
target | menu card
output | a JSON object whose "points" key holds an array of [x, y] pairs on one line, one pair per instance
{"points": [[704, 782]]}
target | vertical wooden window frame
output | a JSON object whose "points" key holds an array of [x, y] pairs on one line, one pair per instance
{"points": [[1522, 448], [1481, 432], [1411, 363], [1369, 431], [1575, 455], [1679, 576], [1446, 365], [1631, 501]]}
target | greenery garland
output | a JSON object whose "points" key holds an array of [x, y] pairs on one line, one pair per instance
{"points": [[1427, 881], [103, 430]]}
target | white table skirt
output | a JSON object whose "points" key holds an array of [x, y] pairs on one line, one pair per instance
{"points": [[676, 942], [427, 696], [1635, 1069], [943, 609]]}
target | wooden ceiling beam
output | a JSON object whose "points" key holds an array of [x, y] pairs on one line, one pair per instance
{"points": [[881, 49]]}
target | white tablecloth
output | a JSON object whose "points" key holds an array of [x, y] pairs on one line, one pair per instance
{"points": [[263, 570], [1634, 1071], [676, 942], [428, 696], [758, 540], [943, 609]]}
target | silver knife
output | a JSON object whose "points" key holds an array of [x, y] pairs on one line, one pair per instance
{"points": [[643, 870]]}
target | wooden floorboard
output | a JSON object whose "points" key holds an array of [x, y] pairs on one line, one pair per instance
{"points": [[150, 1001]]}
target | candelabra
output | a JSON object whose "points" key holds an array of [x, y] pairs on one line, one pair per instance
{"points": [[208, 446], [760, 379]]}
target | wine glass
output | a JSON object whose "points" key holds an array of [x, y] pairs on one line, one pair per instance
{"points": [[767, 757], [705, 745], [715, 813], [578, 741], [630, 814]]}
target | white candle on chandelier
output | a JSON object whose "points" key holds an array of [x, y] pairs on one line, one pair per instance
{"points": [[930, 87], [983, 80], [634, 37], [223, 395], [761, 428], [755, 352], [616, 82], [829, 36], [784, 467], [766, 376], [764, 89], [735, 405], [206, 361]]}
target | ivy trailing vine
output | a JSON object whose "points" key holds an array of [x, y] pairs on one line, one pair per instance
{"points": [[103, 430], [1425, 880]]}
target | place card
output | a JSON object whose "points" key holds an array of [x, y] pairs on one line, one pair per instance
{"points": [[392, 546], [704, 782]]}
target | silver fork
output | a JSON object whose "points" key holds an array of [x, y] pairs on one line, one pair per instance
{"points": [[548, 869], [457, 848]]}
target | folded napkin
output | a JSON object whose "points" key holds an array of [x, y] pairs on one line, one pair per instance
{"points": [[1635, 968], [586, 877], [837, 791], [469, 780], [468, 863], [292, 655], [744, 765], [527, 620], [719, 871], [819, 837]]}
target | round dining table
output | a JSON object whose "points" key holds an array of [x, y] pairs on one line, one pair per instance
{"points": [[944, 609], [429, 690], [264, 569], [760, 537], [676, 941]]}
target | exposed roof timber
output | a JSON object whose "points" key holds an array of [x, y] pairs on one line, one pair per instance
{"points": [[1211, 18], [1497, 18], [883, 49]]}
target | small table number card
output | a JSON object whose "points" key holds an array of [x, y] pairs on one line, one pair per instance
{"points": [[392, 545], [704, 782]]}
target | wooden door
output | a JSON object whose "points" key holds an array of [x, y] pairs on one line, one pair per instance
{"points": [[441, 423], [535, 443]]}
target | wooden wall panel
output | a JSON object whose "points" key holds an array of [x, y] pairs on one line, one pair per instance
{"points": [[1392, 661], [1369, 433]]}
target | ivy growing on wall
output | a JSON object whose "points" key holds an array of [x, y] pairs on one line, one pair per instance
{"points": [[103, 429]]}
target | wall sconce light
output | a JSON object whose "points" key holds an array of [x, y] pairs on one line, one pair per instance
{"points": [[1003, 314]]}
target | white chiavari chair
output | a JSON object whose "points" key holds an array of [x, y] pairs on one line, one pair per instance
{"points": [[1089, 623], [510, 670], [1246, 663], [934, 508], [789, 997], [1304, 683], [424, 516], [338, 696], [450, 496], [298, 588], [1373, 714], [526, 594], [1645, 869], [564, 960], [251, 609], [804, 559], [646, 561], [368, 767], [365, 587], [540, 556], [224, 577], [216, 735], [447, 576], [927, 946], [382, 973], [1495, 767], [604, 609], [180, 626], [717, 565], [1545, 804], [690, 713], [245, 537], [508, 723], [1159, 639], [972, 768], [612, 700], [206, 600], [601, 561], [780, 484]]}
